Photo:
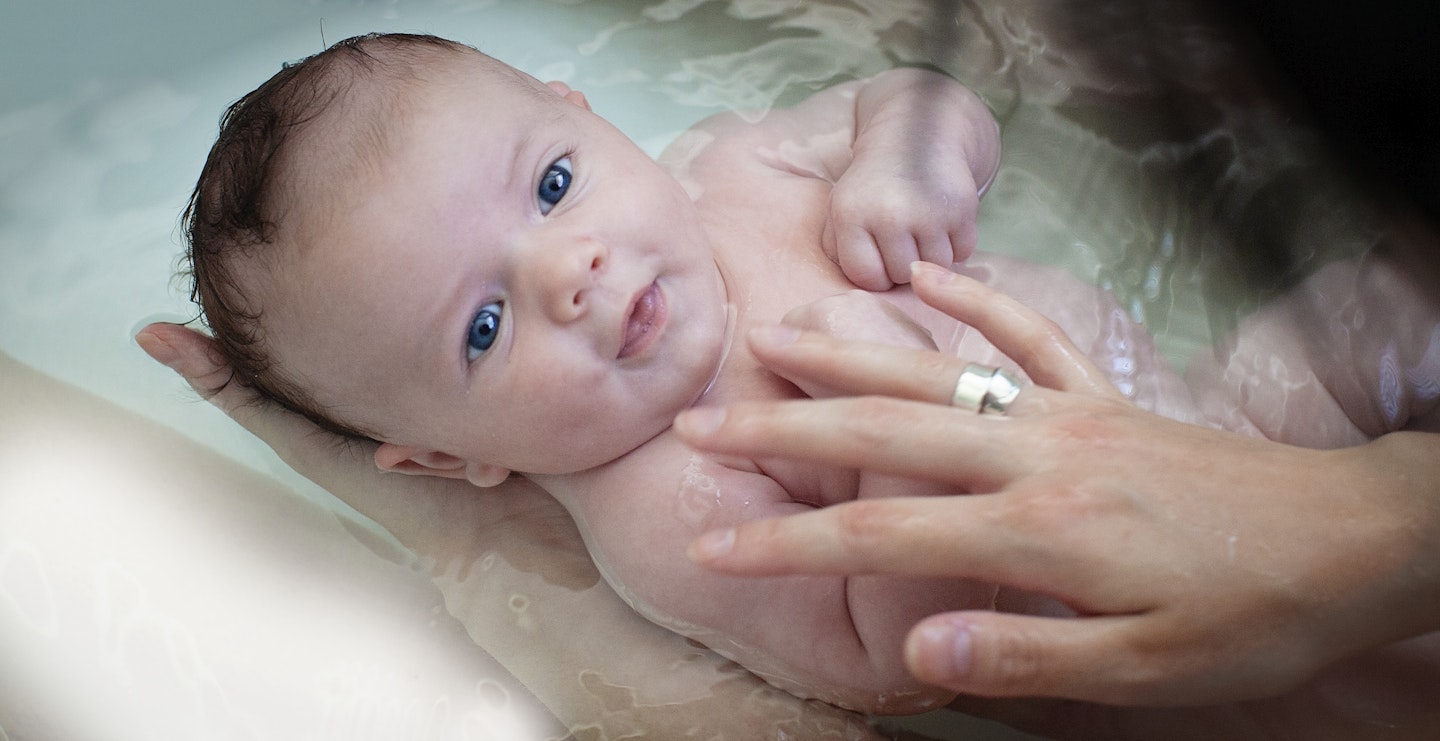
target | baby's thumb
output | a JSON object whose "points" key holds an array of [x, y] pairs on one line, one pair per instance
{"points": [[1003, 655]]}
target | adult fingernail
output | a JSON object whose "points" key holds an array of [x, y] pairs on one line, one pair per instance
{"points": [[939, 652], [712, 545], [774, 335], [700, 422], [930, 270], [158, 349]]}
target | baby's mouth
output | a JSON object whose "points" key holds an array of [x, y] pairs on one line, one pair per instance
{"points": [[643, 321]]}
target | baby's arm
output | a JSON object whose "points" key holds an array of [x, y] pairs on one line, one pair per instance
{"points": [[1350, 354], [925, 148], [908, 153]]}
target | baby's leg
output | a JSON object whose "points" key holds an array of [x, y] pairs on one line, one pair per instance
{"points": [[1351, 353]]}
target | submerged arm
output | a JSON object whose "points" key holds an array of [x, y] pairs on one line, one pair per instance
{"points": [[1350, 354]]}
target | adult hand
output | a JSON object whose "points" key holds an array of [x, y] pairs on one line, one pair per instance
{"points": [[512, 568], [1203, 566]]}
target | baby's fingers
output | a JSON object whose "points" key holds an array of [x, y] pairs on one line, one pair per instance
{"points": [[860, 258], [962, 449]]}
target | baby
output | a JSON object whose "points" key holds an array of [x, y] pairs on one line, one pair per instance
{"points": [[406, 240]]}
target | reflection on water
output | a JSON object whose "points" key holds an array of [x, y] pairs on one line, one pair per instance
{"points": [[1136, 153], [1140, 153]]}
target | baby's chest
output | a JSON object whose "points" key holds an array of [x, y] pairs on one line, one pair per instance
{"points": [[703, 491]]}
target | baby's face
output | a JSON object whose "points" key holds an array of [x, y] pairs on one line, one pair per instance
{"points": [[515, 283]]}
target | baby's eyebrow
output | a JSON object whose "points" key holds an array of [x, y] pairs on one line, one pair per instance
{"points": [[448, 327], [520, 172]]}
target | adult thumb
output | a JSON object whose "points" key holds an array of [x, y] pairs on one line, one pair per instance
{"points": [[1003, 655]]}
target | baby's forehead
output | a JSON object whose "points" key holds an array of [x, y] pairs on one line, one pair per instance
{"points": [[372, 105]]}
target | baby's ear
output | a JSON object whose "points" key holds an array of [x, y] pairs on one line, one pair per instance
{"points": [[414, 461], [564, 91]]}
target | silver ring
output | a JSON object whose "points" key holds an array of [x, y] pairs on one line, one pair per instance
{"points": [[981, 389]]}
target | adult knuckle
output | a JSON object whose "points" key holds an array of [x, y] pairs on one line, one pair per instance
{"points": [[879, 422], [1038, 335], [748, 424], [1012, 663], [937, 366], [1094, 427], [1058, 511], [865, 521]]}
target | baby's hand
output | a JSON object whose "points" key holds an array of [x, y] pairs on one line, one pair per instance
{"points": [[893, 207], [924, 148], [858, 316]]}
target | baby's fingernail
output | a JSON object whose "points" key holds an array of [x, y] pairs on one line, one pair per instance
{"points": [[940, 650], [701, 421], [774, 335], [930, 270], [712, 545]]}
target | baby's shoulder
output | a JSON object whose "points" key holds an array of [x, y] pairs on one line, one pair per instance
{"points": [[780, 142], [666, 487], [665, 465], [717, 144]]}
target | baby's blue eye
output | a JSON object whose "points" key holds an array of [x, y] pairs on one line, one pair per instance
{"points": [[554, 184], [484, 328]]}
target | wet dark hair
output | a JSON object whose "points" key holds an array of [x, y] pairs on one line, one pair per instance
{"points": [[241, 195]]}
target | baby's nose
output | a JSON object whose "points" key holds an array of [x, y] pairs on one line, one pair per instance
{"points": [[568, 276]]}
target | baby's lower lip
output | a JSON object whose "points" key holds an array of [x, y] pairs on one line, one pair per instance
{"points": [[643, 322]]}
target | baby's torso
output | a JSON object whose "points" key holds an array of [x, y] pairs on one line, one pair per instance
{"points": [[774, 264], [639, 513]]}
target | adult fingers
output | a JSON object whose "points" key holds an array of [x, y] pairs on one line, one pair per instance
{"points": [[1004, 655], [193, 356], [969, 451], [855, 367], [956, 536], [1036, 343]]}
